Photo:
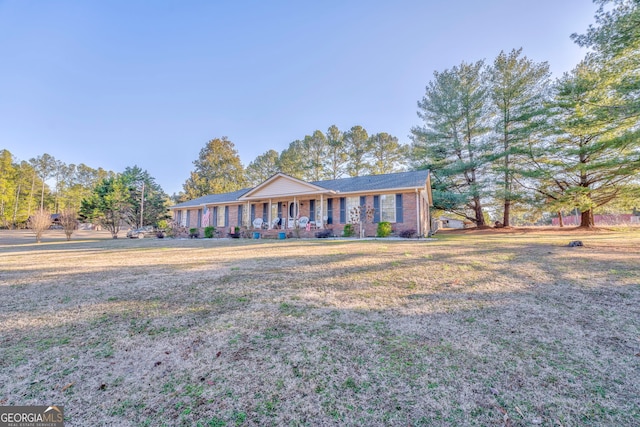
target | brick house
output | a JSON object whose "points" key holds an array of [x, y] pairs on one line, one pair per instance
{"points": [[282, 202]]}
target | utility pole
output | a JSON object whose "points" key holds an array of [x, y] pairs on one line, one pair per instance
{"points": [[142, 206]]}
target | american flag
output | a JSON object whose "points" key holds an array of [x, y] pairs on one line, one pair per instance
{"points": [[205, 217]]}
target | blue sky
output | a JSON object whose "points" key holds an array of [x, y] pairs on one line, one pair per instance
{"points": [[117, 83]]}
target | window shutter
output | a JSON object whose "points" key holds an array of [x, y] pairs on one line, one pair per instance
{"points": [[264, 212], [343, 208], [226, 216], [329, 211], [312, 210], [399, 208], [239, 215], [253, 212], [215, 216], [363, 200], [280, 210], [376, 209], [199, 218], [188, 218]]}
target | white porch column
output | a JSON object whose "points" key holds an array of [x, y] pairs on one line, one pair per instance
{"points": [[321, 212]]}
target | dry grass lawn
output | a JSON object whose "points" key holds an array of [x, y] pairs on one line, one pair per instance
{"points": [[482, 329]]}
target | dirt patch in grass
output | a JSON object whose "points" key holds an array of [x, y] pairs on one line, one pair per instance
{"points": [[469, 329]]}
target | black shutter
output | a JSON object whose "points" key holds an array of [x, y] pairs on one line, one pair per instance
{"points": [[280, 210], [312, 210], [264, 212], [329, 211], [226, 216], [239, 215], [215, 216], [399, 208], [253, 212], [343, 208], [376, 209]]}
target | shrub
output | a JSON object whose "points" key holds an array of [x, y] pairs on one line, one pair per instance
{"points": [[323, 234], [39, 222], [208, 231], [68, 219], [193, 232], [408, 234], [163, 225], [348, 230], [384, 229]]}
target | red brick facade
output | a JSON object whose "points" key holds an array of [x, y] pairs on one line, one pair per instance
{"points": [[414, 208]]}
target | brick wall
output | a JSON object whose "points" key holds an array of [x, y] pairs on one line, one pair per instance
{"points": [[409, 216]]}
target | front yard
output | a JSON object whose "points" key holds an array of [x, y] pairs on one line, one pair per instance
{"points": [[486, 329]]}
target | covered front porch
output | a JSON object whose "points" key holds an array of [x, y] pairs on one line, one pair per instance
{"points": [[288, 213], [286, 203]]}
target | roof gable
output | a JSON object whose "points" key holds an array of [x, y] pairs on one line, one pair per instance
{"points": [[281, 185]]}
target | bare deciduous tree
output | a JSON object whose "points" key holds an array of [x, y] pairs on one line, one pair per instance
{"points": [[69, 221], [39, 222]]}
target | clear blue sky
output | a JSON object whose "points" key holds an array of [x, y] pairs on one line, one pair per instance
{"points": [[117, 83]]}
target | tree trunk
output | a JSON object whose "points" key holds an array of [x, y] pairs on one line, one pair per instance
{"points": [[560, 220], [479, 216], [586, 219], [33, 185], [15, 208], [507, 211]]}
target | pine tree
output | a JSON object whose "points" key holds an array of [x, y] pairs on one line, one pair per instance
{"points": [[452, 140]]}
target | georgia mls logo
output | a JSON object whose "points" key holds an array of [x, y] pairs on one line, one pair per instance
{"points": [[31, 416]]}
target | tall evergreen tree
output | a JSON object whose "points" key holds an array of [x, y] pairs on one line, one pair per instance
{"points": [[293, 160], [315, 148], [263, 167], [148, 200], [357, 145], [598, 154], [218, 169], [109, 205], [518, 89], [336, 158], [387, 154], [45, 167], [452, 141]]}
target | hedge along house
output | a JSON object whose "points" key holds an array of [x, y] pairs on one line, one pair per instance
{"points": [[403, 199]]}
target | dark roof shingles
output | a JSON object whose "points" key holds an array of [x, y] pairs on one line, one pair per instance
{"points": [[412, 179]]}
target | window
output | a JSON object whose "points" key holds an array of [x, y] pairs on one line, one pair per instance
{"points": [[221, 215], [388, 207], [352, 202]]}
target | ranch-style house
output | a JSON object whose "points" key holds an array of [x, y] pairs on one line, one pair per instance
{"points": [[284, 203]]}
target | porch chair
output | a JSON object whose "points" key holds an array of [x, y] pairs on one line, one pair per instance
{"points": [[257, 223], [303, 222], [276, 223]]}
